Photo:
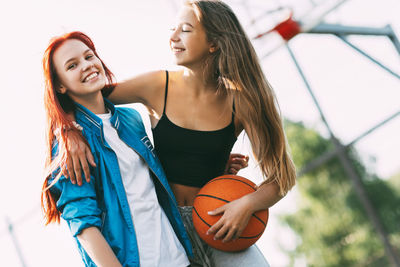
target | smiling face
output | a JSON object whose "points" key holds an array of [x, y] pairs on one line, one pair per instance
{"points": [[188, 40], [80, 72]]}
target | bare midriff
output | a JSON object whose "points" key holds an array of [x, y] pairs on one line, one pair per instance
{"points": [[184, 194]]}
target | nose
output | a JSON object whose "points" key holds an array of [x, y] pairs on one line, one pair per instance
{"points": [[86, 65], [174, 37]]}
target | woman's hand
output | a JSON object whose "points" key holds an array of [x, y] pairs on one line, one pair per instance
{"points": [[235, 217], [235, 163], [236, 214], [78, 156]]}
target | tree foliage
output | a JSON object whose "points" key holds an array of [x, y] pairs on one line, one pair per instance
{"points": [[333, 227]]}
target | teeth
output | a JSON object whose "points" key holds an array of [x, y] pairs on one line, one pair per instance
{"points": [[177, 49], [91, 76]]}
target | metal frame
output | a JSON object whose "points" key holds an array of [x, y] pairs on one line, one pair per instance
{"points": [[317, 26]]}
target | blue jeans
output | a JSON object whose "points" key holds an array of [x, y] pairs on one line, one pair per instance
{"points": [[206, 256]]}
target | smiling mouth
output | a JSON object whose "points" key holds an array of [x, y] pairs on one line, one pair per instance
{"points": [[176, 49], [91, 77]]}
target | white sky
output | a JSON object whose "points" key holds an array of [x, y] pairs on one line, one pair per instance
{"points": [[132, 37]]}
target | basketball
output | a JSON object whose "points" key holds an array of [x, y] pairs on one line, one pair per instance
{"points": [[218, 192]]}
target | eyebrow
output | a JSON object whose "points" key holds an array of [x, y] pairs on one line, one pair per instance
{"points": [[73, 58]]}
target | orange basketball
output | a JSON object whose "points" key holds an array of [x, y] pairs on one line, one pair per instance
{"points": [[217, 192]]}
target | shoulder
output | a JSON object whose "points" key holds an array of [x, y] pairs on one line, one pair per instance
{"points": [[154, 78], [143, 88], [157, 76], [175, 75], [130, 112], [151, 79], [130, 117]]}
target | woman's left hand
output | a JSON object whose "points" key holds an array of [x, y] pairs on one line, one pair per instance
{"points": [[235, 217], [235, 163]]}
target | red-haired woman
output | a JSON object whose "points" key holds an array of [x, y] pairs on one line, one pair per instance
{"points": [[127, 214], [197, 114]]}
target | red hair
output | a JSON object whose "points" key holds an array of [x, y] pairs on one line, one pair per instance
{"points": [[57, 107]]}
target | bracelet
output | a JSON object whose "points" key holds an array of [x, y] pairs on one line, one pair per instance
{"points": [[77, 126], [57, 131]]}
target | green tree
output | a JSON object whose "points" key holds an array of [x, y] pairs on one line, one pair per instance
{"points": [[330, 221]]}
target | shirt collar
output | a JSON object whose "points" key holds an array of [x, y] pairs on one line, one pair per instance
{"points": [[88, 119]]}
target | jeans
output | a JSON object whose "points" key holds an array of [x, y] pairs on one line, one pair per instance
{"points": [[206, 256]]}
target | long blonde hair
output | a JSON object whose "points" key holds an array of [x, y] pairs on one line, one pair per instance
{"points": [[235, 64]]}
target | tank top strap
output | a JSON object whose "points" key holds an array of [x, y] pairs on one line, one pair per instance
{"points": [[233, 111], [166, 91]]}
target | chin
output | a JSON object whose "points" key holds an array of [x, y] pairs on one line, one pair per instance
{"points": [[102, 82], [181, 63], [177, 62]]}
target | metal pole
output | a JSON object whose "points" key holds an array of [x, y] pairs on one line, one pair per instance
{"points": [[15, 242], [327, 28], [352, 174], [394, 39], [330, 154], [344, 39]]}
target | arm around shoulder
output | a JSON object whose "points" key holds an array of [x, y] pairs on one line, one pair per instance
{"points": [[143, 88]]}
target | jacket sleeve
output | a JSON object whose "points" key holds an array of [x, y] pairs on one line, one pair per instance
{"points": [[78, 204]]}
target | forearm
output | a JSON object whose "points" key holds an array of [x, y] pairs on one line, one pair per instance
{"points": [[97, 248], [265, 197]]}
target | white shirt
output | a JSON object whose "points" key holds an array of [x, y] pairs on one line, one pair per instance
{"points": [[158, 245]]}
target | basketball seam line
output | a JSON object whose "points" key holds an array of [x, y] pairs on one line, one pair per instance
{"points": [[204, 195], [217, 179]]}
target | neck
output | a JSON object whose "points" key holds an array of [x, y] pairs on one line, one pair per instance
{"points": [[94, 103], [199, 80]]}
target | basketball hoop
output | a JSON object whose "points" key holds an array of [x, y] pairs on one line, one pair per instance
{"points": [[288, 28]]}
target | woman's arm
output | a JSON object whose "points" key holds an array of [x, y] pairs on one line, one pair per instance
{"points": [[78, 159], [80, 156], [79, 208], [97, 248], [237, 213], [145, 88]]}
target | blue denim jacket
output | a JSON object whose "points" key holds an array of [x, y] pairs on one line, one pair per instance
{"points": [[102, 202]]}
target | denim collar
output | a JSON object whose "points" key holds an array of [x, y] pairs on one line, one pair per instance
{"points": [[88, 119]]}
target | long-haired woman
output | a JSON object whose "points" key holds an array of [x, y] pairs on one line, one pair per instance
{"points": [[127, 214], [198, 112]]}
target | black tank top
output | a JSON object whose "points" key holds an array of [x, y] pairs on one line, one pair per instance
{"points": [[191, 157]]}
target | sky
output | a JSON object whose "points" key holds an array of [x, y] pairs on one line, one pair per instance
{"points": [[132, 37]]}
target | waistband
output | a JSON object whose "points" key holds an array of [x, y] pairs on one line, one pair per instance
{"points": [[185, 210]]}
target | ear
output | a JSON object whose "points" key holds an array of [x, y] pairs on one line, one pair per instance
{"points": [[61, 89], [213, 48]]}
